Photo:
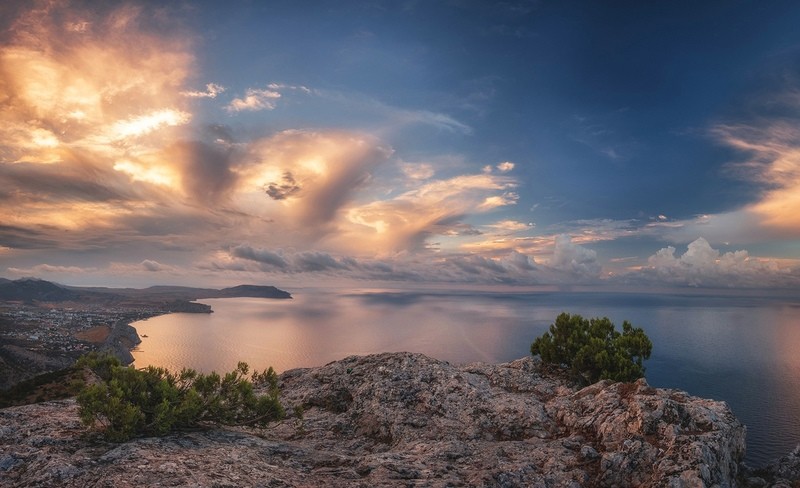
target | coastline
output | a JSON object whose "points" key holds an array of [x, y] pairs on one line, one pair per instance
{"points": [[124, 337]]}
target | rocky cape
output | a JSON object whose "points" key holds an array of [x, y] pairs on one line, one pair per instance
{"points": [[404, 419]]}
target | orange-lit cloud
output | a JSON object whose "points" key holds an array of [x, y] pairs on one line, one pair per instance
{"points": [[96, 140], [304, 179], [773, 150], [510, 226], [434, 208], [101, 153], [212, 90], [78, 83], [255, 99], [94, 136], [770, 160]]}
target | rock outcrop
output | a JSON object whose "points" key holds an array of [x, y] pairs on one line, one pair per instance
{"points": [[406, 420], [122, 339]]}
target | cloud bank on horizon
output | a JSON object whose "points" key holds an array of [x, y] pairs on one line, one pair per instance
{"points": [[144, 144]]}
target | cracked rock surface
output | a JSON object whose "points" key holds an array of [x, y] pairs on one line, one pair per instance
{"points": [[402, 419]]}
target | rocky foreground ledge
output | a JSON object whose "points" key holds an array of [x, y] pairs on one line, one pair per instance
{"points": [[406, 420]]}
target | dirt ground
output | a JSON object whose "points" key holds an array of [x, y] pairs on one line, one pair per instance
{"points": [[95, 334]]}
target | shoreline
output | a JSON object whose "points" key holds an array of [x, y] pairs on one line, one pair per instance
{"points": [[123, 337]]}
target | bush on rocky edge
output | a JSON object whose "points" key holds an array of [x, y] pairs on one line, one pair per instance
{"points": [[593, 349], [133, 402]]}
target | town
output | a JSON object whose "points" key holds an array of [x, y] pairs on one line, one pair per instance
{"points": [[36, 339]]}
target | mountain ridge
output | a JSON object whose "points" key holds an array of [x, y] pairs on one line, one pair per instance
{"points": [[39, 290]]}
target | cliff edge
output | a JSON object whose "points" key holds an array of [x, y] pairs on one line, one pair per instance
{"points": [[401, 419]]}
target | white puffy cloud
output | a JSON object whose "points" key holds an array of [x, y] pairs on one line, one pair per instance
{"points": [[505, 166], [573, 258], [703, 266]]}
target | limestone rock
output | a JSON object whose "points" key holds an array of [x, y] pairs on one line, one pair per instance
{"points": [[404, 419]]}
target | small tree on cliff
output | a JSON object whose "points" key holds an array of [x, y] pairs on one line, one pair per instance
{"points": [[593, 349], [153, 401]]}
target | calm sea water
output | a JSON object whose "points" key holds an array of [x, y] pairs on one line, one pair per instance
{"points": [[743, 351]]}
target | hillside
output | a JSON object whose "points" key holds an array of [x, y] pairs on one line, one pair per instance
{"points": [[31, 289]]}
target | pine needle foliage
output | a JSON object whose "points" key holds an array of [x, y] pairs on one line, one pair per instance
{"points": [[593, 349], [153, 401]]}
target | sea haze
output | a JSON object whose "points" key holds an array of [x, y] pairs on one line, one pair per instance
{"points": [[741, 350]]}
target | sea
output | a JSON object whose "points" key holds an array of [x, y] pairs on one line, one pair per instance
{"points": [[743, 350]]}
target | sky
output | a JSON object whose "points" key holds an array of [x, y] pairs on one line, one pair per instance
{"points": [[443, 142]]}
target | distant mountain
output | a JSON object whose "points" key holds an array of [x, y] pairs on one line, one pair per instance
{"points": [[33, 289], [30, 289], [254, 291]]}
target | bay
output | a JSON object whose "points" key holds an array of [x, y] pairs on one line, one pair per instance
{"points": [[742, 350]]}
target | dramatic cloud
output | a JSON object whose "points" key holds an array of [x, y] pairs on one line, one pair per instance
{"points": [[65, 87], [111, 164], [773, 147], [434, 208], [205, 169], [283, 190], [769, 158], [84, 104], [310, 175], [96, 144]]}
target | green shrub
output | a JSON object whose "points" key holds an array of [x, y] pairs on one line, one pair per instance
{"points": [[593, 349], [154, 401], [100, 363]]}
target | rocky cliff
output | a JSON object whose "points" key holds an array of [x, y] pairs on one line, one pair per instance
{"points": [[122, 339], [406, 420]]}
